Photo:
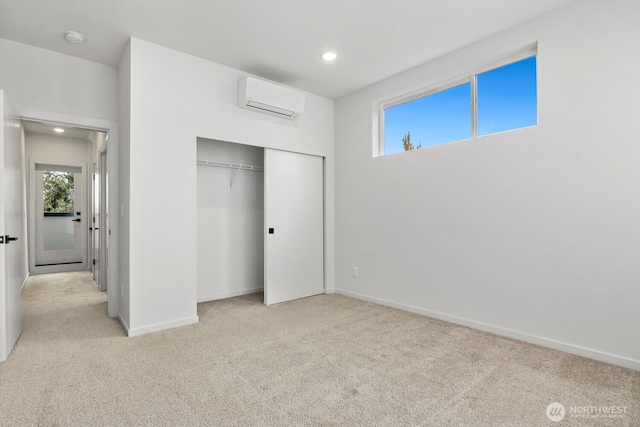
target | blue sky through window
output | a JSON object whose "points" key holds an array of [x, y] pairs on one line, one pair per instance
{"points": [[507, 97], [433, 119], [506, 100]]}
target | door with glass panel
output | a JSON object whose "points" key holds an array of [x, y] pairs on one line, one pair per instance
{"points": [[58, 206]]}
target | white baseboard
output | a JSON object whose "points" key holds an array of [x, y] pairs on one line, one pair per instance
{"points": [[59, 268], [161, 326], [25, 281], [532, 339], [124, 324], [223, 295]]}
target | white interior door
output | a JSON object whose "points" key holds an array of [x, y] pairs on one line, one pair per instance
{"points": [[94, 229], [58, 203], [294, 226], [102, 223], [10, 227]]}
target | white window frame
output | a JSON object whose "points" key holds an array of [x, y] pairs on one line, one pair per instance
{"points": [[471, 77]]}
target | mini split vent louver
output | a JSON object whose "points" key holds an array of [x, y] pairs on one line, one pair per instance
{"points": [[270, 98]]}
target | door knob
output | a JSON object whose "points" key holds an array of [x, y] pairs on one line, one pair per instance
{"points": [[76, 220], [8, 239]]}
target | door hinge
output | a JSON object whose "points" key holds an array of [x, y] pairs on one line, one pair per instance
{"points": [[94, 262]]}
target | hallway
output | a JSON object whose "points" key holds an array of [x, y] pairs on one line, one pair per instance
{"points": [[66, 333], [63, 307]]}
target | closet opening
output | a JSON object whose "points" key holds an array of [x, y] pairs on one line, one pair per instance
{"points": [[230, 219], [260, 222]]}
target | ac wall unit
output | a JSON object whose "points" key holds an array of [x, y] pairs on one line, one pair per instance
{"points": [[270, 98]]}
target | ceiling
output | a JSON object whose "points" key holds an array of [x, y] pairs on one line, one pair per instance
{"points": [[280, 40], [47, 129]]}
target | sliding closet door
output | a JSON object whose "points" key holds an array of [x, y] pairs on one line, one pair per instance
{"points": [[294, 236]]}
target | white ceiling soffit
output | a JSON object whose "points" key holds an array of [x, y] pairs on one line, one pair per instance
{"points": [[47, 129], [280, 40]]}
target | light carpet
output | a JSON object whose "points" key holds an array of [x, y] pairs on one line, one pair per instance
{"points": [[327, 360]]}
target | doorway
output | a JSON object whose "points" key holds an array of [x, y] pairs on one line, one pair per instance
{"points": [[81, 143], [60, 195]]}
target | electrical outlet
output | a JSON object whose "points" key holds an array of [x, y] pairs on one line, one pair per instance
{"points": [[355, 271]]}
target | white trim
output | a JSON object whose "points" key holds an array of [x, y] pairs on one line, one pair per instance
{"points": [[532, 339], [426, 91], [25, 281], [378, 149], [473, 106], [124, 324], [59, 268], [90, 123], [223, 295], [160, 326]]}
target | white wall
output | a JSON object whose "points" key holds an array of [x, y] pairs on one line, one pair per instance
{"points": [[42, 80], [57, 149], [176, 98], [230, 221], [124, 167], [532, 233]]}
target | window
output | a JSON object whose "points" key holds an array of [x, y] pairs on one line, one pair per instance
{"points": [[58, 189], [505, 99], [430, 120]]}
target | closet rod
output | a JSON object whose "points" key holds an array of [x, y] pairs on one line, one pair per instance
{"points": [[229, 165]]}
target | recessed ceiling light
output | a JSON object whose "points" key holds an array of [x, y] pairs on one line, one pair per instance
{"points": [[74, 37], [329, 56], [58, 130]]}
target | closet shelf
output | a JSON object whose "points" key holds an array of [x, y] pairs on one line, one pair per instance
{"points": [[229, 165]]}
